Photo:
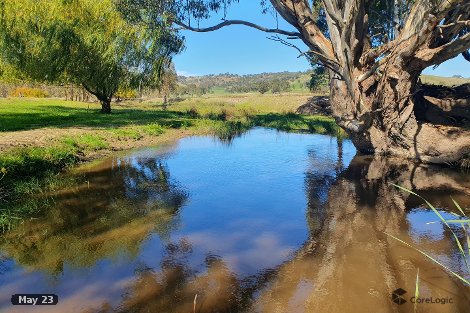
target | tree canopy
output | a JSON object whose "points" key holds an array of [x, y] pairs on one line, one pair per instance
{"points": [[86, 42]]}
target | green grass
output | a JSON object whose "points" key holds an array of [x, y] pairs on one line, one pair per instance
{"points": [[243, 104], [26, 172], [293, 122], [25, 162], [153, 129], [125, 133], [218, 91], [87, 142], [25, 114], [133, 120]]}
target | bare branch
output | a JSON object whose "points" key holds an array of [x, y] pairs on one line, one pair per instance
{"points": [[286, 43], [238, 22], [373, 54], [465, 23], [445, 52], [323, 59]]}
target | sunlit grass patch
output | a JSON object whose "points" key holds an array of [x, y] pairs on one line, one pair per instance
{"points": [[125, 133], [240, 104], [25, 162], [87, 142], [153, 129]]}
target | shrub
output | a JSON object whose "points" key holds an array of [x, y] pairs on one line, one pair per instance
{"points": [[27, 92], [127, 94]]}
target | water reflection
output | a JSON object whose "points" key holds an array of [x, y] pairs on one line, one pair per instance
{"points": [[273, 222], [111, 211], [355, 266]]}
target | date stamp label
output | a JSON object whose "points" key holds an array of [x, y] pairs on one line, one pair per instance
{"points": [[34, 299]]}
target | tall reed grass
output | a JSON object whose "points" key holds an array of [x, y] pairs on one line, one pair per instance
{"points": [[461, 219]]}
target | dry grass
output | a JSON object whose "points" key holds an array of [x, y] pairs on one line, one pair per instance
{"points": [[444, 81], [239, 105]]}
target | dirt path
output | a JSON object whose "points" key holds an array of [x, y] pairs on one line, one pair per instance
{"points": [[47, 136], [38, 137]]}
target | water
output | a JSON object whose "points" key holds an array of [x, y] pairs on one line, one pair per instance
{"points": [[272, 222]]}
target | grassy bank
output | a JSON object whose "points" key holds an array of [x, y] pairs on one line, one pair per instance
{"points": [[41, 138]]}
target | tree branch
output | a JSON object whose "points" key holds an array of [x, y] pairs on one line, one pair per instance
{"points": [[323, 59], [445, 52], [298, 13], [466, 55], [372, 54], [238, 22], [332, 10]]}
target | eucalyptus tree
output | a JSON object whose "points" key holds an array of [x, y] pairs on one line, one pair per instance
{"points": [[85, 42], [374, 50]]}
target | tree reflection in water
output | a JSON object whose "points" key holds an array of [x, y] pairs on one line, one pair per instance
{"points": [[110, 213], [351, 264]]}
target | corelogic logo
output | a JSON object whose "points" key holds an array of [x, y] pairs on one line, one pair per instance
{"points": [[397, 296]]}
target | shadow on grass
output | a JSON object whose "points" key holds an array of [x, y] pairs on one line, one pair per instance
{"points": [[64, 117]]}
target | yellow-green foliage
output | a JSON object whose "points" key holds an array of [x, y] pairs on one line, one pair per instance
{"points": [[126, 94], [28, 92]]}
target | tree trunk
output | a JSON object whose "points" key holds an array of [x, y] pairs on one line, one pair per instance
{"points": [[385, 121], [374, 90], [105, 106]]}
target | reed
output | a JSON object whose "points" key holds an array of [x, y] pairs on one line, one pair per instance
{"points": [[462, 219]]}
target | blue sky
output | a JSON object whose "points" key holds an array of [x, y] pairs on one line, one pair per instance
{"points": [[242, 50]]}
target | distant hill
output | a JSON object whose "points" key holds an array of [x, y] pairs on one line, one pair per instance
{"points": [[445, 81], [294, 81], [227, 83]]}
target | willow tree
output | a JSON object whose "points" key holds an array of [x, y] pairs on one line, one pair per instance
{"points": [[85, 42], [375, 51]]}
